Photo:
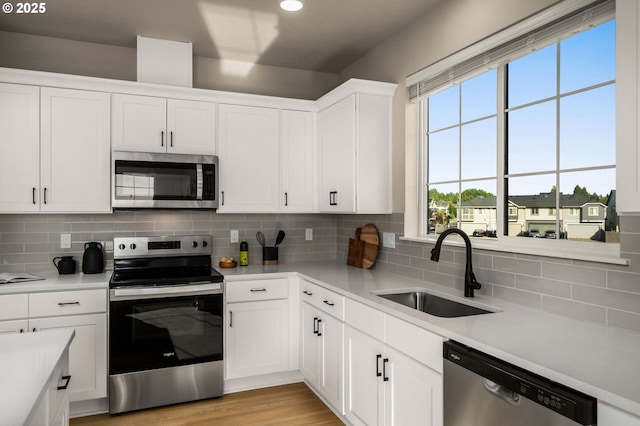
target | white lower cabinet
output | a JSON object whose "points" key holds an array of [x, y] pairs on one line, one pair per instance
{"points": [[384, 384], [612, 416], [257, 317], [52, 409], [85, 312], [321, 356], [322, 343]]}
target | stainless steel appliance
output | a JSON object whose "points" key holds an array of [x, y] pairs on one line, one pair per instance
{"points": [[147, 180], [165, 323], [482, 390]]}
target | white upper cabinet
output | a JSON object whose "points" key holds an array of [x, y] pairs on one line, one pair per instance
{"points": [[354, 125], [248, 141], [19, 148], [296, 161], [54, 151], [153, 124], [75, 154]]}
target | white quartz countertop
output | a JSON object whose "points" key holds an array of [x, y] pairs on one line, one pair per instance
{"points": [[27, 363], [597, 360], [57, 282]]}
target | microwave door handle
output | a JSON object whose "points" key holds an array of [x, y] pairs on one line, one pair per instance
{"points": [[199, 181]]}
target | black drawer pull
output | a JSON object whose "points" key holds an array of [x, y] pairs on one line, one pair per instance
{"points": [[308, 293], [66, 384], [329, 303], [256, 290], [69, 303], [378, 373], [319, 333]]}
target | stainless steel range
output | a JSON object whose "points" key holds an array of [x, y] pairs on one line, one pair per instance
{"points": [[165, 323]]}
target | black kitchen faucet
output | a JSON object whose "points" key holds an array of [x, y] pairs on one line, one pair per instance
{"points": [[470, 282]]}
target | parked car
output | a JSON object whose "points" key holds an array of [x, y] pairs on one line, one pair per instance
{"points": [[479, 233], [491, 234], [550, 234], [535, 233]]}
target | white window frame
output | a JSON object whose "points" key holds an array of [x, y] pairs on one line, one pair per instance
{"points": [[414, 227]]}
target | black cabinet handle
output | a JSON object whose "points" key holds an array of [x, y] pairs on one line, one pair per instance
{"points": [[162, 138], [328, 303], [171, 134], [33, 195], [384, 370], [378, 373], [45, 195], [34, 330], [22, 330], [222, 198], [315, 325], [230, 318], [286, 199], [308, 293], [255, 290], [66, 384], [68, 303], [319, 321], [333, 198]]}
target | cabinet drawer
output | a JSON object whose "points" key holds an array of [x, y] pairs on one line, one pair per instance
{"points": [[13, 306], [365, 318], [248, 291], [67, 303], [418, 343], [323, 299]]}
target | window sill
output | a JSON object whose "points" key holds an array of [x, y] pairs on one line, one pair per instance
{"points": [[601, 253]]}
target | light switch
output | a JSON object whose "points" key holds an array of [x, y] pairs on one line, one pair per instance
{"points": [[65, 240], [308, 234], [233, 238]]}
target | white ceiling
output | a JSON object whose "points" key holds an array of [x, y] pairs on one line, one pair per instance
{"points": [[325, 36]]}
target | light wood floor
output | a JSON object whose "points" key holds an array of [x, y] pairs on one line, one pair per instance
{"points": [[293, 404]]}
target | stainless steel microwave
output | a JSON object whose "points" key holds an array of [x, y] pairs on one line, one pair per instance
{"points": [[164, 181]]}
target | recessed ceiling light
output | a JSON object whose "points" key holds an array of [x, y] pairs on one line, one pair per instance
{"points": [[291, 5]]}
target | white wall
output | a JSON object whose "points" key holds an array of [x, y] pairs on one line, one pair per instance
{"points": [[24, 51], [450, 26]]}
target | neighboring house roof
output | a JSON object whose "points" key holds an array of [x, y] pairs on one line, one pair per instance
{"points": [[543, 200]]}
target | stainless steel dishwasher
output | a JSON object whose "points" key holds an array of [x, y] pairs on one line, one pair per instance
{"points": [[480, 390]]}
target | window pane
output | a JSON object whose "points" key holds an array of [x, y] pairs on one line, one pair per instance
{"points": [[479, 149], [479, 214], [444, 155], [532, 138], [588, 58], [588, 205], [532, 77], [587, 128], [479, 96], [444, 109], [532, 197], [442, 201]]}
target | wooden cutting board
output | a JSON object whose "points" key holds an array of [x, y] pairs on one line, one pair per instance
{"points": [[363, 250]]}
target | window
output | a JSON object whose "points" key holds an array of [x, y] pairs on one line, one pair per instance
{"points": [[535, 132]]}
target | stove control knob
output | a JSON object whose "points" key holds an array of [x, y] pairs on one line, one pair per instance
{"points": [[194, 244], [204, 244], [122, 246], [132, 246]]}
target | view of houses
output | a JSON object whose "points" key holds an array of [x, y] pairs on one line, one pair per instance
{"points": [[579, 216]]}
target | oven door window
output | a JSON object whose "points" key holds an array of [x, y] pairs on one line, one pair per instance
{"points": [[142, 180], [165, 332]]}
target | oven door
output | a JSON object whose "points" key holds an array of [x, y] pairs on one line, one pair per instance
{"points": [[154, 331]]}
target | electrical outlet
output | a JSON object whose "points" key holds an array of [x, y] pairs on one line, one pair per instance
{"points": [[65, 240], [233, 238], [308, 234], [389, 239]]}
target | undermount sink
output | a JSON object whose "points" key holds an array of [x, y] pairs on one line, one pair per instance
{"points": [[434, 305]]}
